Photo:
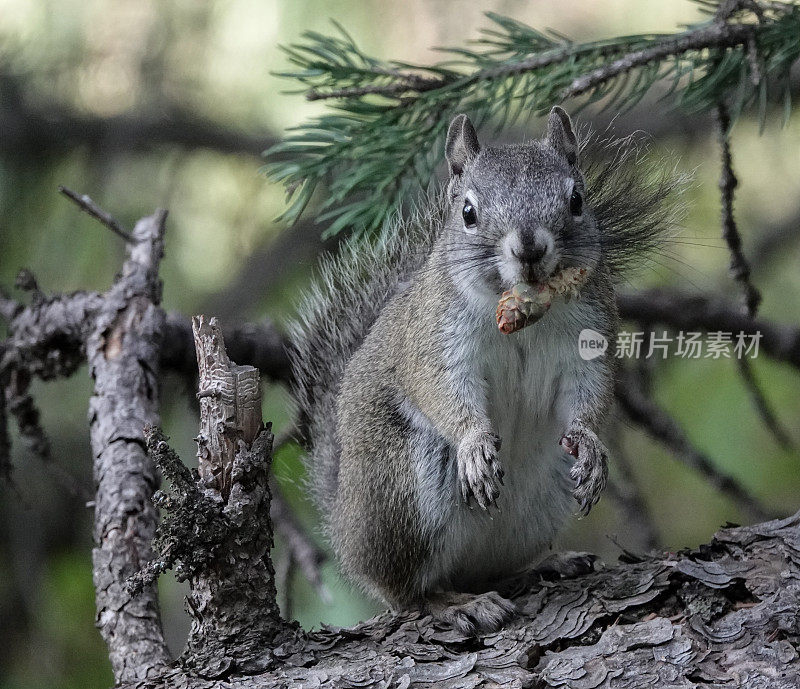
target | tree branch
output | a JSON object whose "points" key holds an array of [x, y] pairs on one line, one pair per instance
{"points": [[660, 426], [683, 311], [739, 268], [722, 615], [91, 208], [123, 353], [712, 36]]}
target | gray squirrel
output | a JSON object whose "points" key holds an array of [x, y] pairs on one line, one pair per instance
{"points": [[444, 455]]}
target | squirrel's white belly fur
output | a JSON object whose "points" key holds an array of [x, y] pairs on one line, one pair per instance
{"points": [[526, 375]]}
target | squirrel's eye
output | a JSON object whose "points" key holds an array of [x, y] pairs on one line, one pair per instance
{"points": [[576, 203], [469, 215]]}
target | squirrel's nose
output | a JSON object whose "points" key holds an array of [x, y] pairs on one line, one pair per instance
{"points": [[530, 253]]}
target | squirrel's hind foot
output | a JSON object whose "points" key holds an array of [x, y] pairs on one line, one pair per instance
{"points": [[471, 614]]}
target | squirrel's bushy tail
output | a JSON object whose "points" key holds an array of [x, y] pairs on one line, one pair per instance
{"points": [[334, 318], [635, 198]]}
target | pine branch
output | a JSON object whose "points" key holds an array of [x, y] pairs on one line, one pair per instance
{"points": [[381, 142]]}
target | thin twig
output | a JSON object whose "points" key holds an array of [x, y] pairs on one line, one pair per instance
{"points": [[284, 575], [393, 90], [87, 205], [305, 553], [762, 405], [625, 490], [739, 268], [660, 426]]}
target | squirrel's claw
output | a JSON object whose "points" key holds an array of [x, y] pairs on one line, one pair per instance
{"points": [[590, 471], [479, 471]]}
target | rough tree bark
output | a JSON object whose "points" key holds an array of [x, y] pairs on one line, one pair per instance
{"points": [[123, 353], [232, 601], [724, 615]]}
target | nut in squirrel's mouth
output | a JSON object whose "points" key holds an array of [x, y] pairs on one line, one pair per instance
{"points": [[525, 303]]}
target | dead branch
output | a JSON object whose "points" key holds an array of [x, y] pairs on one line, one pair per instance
{"points": [[91, 208], [218, 533], [235, 617], [122, 350]]}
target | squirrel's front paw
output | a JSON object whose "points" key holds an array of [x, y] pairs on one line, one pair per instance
{"points": [[590, 471], [479, 472]]}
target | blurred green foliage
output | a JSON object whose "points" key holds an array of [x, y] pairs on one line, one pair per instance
{"points": [[380, 143], [104, 59]]}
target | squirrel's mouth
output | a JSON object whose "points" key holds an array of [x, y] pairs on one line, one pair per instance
{"points": [[523, 304], [536, 275]]}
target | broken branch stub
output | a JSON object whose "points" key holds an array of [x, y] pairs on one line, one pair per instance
{"points": [[230, 405], [232, 601]]}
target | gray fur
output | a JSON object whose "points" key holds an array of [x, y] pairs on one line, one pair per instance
{"points": [[405, 386]]}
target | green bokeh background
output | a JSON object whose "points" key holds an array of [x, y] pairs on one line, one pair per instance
{"points": [[115, 58]]}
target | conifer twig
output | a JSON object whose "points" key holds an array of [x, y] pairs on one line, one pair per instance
{"points": [[739, 268], [660, 426], [765, 412], [91, 208], [381, 143], [714, 36]]}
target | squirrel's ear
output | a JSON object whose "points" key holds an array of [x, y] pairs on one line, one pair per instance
{"points": [[462, 144], [560, 135]]}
